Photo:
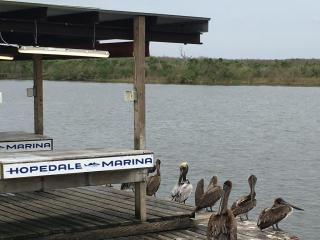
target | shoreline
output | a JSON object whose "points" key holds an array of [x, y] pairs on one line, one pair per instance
{"points": [[180, 71]]}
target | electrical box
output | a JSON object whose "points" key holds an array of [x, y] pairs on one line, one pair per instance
{"points": [[130, 96], [30, 92]]}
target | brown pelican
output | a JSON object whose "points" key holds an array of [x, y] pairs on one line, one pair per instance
{"points": [[272, 216], [153, 182], [125, 186], [223, 226], [183, 189], [245, 204], [208, 198]]}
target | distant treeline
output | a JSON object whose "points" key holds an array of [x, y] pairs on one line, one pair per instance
{"points": [[295, 72]]}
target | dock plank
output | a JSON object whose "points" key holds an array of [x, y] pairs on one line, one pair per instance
{"points": [[100, 212], [48, 211], [152, 208]]}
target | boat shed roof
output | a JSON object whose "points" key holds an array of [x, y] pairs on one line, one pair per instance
{"points": [[86, 26]]}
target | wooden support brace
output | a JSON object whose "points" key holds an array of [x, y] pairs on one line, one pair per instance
{"points": [[38, 94]]}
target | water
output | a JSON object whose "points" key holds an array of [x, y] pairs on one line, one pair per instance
{"points": [[230, 132]]}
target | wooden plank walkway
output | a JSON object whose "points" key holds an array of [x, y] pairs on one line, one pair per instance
{"points": [[199, 232], [101, 212], [247, 230], [88, 212]]}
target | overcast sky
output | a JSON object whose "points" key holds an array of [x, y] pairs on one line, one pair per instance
{"points": [[273, 29]]}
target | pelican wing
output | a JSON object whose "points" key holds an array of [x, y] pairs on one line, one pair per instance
{"points": [[209, 198], [184, 192], [175, 191], [153, 184], [243, 205], [199, 192], [222, 227], [273, 215]]}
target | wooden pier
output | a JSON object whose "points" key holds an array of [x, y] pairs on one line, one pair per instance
{"points": [[101, 212]]}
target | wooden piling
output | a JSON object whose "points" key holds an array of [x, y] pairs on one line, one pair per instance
{"points": [[38, 94], [139, 109]]}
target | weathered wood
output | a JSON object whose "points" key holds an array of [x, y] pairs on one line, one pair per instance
{"points": [[21, 136], [80, 213], [140, 201], [133, 229], [38, 94], [139, 107], [139, 83]]}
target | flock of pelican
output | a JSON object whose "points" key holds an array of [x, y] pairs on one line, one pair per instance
{"points": [[222, 225]]}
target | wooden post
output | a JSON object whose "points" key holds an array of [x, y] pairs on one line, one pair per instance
{"points": [[139, 109], [38, 94]]}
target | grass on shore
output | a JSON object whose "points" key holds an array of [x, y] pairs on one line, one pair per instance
{"points": [[208, 71]]}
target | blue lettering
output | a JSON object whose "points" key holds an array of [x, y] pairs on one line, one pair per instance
{"points": [[78, 166], [28, 146], [39, 145], [11, 171], [33, 169], [139, 161], [24, 170], [11, 147], [104, 164], [62, 167], [127, 162], [43, 168], [20, 146], [69, 167], [118, 162], [148, 160], [47, 145], [52, 168]]}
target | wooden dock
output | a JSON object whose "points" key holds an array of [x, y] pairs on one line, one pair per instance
{"points": [[104, 213]]}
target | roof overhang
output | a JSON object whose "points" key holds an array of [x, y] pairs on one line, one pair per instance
{"points": [[84, 27]]}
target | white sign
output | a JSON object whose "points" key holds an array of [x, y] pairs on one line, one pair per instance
{"points": [[0, 97], [20, 170], [26, 146]]}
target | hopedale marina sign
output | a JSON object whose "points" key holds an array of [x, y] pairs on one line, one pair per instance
{"points": [[45, 168]]}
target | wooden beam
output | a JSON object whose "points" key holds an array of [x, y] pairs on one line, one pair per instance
{"points": [[38, 94], [139, 109]]}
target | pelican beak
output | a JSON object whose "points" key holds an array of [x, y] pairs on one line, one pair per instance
{"points": [[252, 185], [295, 207]]}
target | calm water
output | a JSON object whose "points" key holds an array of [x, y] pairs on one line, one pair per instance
{"points": [[231, 132]]}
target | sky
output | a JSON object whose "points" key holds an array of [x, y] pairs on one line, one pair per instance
{"points": [[239, 29]]}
